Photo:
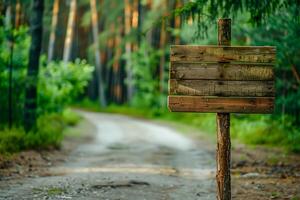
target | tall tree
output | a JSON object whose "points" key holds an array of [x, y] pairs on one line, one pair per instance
{"points": [[70, 31], [117, 67], [18, 14], [177, 22], [36, 26], [162, 45], [53, 30], [128, 46], [99, 70]]}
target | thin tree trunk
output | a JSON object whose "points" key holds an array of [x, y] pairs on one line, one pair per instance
{"points": [[177, 22], [70, 32], [101, 94], [53, 30], [18, 14], [162, 46], [128, 46], [8, 17], [117, 89], [30, 107], [9, 28], [295, 73], [110, 45]]}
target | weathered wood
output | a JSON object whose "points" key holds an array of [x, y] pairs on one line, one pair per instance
{"points": [[220, 104], [223, 156], [221, 71], [250, 54], [223, 129], [222, 88]]}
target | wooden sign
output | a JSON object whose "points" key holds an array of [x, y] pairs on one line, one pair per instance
{"points": [[222, 79]]}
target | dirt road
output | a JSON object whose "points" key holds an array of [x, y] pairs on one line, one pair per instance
{"points": [[128, 159]]}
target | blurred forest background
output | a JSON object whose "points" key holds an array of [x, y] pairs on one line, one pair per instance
{"points": [[113, 56]]}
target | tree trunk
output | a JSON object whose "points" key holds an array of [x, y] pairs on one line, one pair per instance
{"points": [[9, 28], [99, 71], [117, 87], [18, 15], [128, 46], [8, 17], [53, 30], [223, 128], [70, 32], [30, 107], [177, 22], [162, 46]]}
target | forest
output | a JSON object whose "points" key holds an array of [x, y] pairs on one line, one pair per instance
{"points": [[84, 98], [113, 56]]}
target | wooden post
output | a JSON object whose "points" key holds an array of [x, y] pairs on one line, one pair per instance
{"points": [[223, 128]]}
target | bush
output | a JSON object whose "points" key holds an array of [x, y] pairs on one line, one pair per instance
{"points": [[70, 118], [61, 83], [48, 134], [12, 140]]}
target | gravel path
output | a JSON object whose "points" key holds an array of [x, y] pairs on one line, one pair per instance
{"points": [[128, 159]]}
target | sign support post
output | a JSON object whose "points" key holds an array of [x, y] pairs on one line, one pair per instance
{"points": [[223, 128]]}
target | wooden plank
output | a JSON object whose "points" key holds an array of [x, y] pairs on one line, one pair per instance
{"points": [[220, 104], [222, 88], [253, 54], [221, 71]]}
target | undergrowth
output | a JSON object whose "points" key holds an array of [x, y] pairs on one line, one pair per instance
{"points": [[48, 134]]}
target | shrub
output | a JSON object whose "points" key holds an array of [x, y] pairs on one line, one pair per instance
{"points": [[48, 134], [61, 83], [12, 140], [70, 118]]}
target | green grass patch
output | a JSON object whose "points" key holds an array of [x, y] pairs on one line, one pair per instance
{"points": [[70, 117], [56, 191]]}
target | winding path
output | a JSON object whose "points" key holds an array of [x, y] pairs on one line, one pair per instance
{"points": [[129, 159]]}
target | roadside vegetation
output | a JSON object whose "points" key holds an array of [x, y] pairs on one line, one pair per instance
{"points": [[59, 84]]}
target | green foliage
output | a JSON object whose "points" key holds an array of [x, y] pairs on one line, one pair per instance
{"points": [[49, 134], [206, 12], [60, 83], [266, 130], [70, 117], [19, 62], [12, 140], [146, 83], [283, 32]]}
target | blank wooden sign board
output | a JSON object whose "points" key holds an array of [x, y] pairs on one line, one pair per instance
{"points": [[231, 79], [222, 79]]}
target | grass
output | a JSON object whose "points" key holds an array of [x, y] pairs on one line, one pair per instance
{"points": [[49, 133], [56, 191], [252, 129]]}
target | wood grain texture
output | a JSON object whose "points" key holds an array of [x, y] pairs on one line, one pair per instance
{"points": [[223, 128], [220, 104], [221, 71], [250, 54], [222, 88]]}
